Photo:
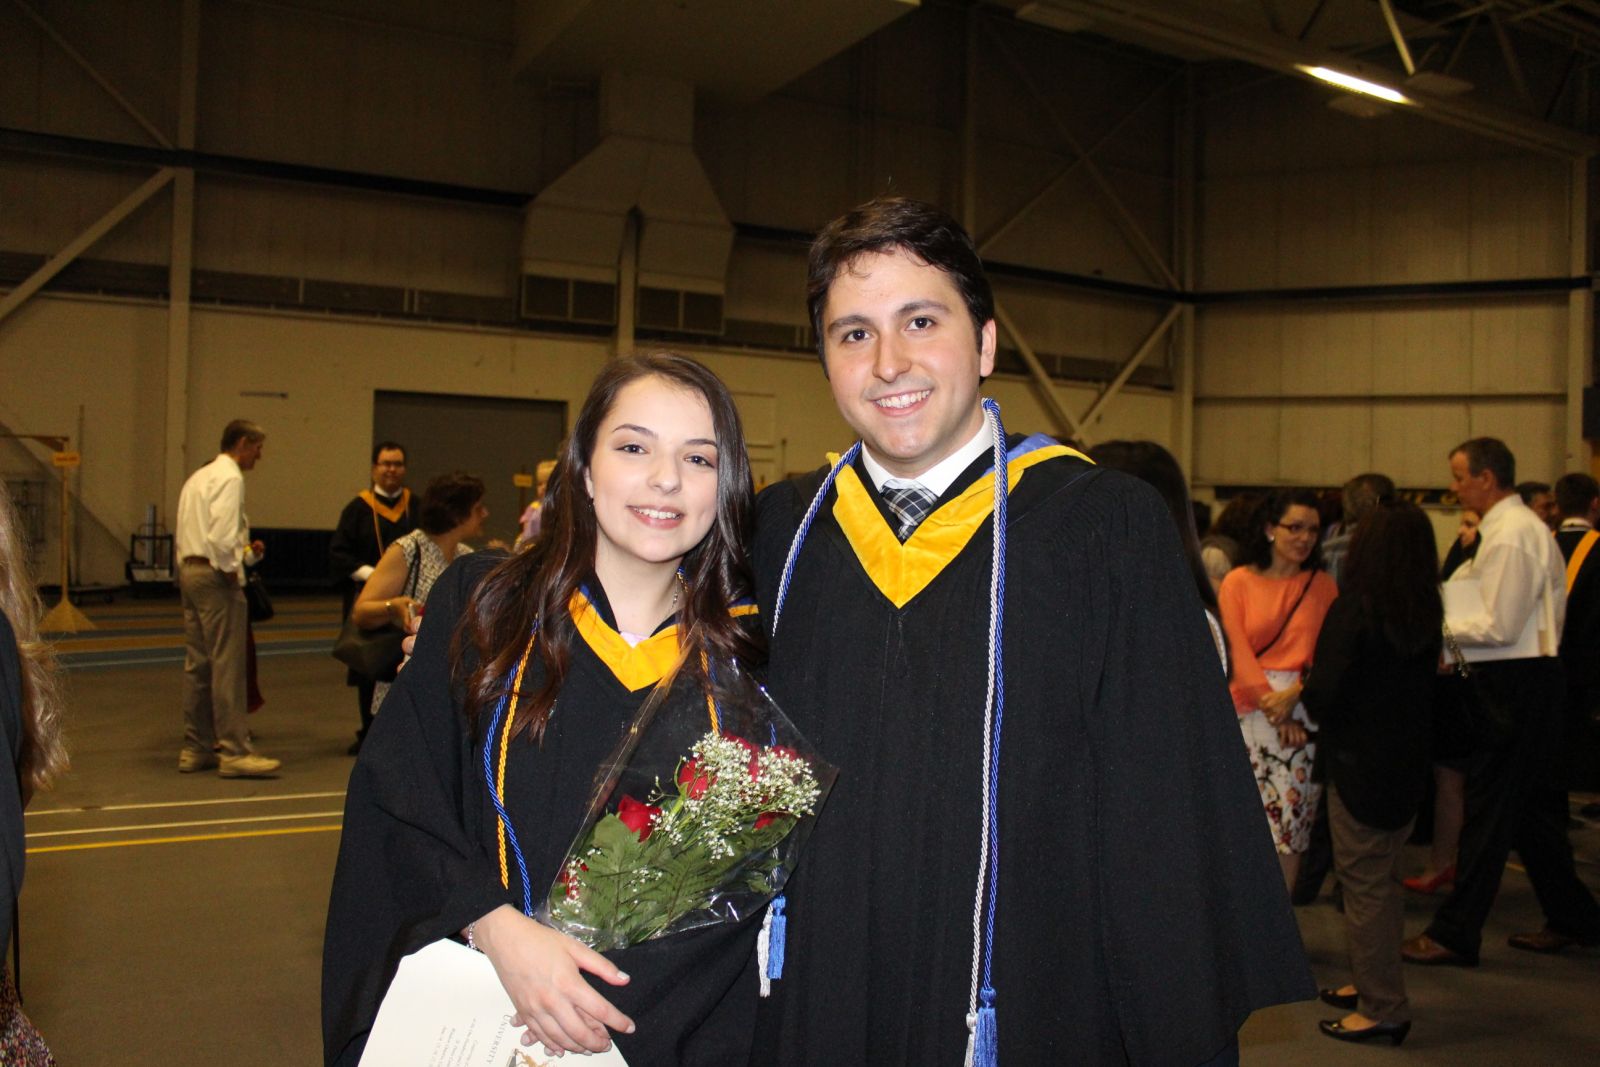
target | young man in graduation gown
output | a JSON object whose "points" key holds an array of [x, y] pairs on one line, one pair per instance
{"points": [[369, 524], [1132, 910]]}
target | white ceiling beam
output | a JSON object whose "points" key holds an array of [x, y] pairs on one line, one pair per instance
{"points": [[1131, 230], [88, 68], [1131, 365], [79, 244]]}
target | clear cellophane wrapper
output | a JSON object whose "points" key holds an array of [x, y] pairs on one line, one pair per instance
{"points": [[696, 819]]}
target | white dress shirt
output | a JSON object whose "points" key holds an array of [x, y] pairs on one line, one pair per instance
{"points": [[1520, 571], [937, 478], [211, 518]]}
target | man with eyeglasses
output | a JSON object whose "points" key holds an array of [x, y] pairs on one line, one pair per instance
{"points": [[1505, 609], [369, 524]]}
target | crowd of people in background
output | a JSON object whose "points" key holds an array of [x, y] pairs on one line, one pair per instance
{"points": [[1353, 676]]}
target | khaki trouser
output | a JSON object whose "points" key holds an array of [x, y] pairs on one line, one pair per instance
{"points": [[1366, 861], [214, 626]]}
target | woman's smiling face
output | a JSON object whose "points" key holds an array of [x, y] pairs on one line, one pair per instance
{"points": [[653, 475]]}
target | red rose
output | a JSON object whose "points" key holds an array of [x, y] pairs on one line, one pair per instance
{"points": [[696, 781], [640, 818], [565, 878], [768, 817]]}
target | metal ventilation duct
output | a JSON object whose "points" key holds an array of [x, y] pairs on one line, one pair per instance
{"points": [[645, 163]]}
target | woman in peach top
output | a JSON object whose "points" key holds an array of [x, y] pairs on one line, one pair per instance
{"points": [[1272, 609]]}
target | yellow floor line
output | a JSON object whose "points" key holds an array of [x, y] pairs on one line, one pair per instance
{"points": [[187, 837], [185, 823], [188, 803]]}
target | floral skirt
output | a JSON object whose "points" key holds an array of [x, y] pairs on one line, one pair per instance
{"points": [[1283, 774], [20, 1043]]}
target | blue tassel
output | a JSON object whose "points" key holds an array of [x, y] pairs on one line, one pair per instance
{"points": [[987, 1052], [780, 927]]}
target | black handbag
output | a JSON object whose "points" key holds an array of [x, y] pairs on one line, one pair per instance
{"points": [[1484, 717], [374, 654], [258, 602]]}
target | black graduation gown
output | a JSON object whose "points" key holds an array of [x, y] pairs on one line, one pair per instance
{"points": [[1142, 915], [418, 859], [359, 541]]}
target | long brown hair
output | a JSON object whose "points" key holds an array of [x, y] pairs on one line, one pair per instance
{"points": [[536, 585], [1392, 569], [43, 757]]}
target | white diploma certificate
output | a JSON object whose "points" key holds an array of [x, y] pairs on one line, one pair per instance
{"points": [[446, 1008]]}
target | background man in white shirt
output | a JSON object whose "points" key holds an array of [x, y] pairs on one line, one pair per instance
{"points": [[1522, 578], [214, 546]]}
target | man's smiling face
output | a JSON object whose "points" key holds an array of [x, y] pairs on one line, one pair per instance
{"points": [[903, 361]]}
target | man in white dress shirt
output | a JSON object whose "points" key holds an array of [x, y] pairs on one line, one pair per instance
{"points": [[1512, 641], [213, 548]]}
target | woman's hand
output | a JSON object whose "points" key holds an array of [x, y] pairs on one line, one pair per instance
{"points": [[1278, 704], [1291, 734], [540, 970], [404, 612]]}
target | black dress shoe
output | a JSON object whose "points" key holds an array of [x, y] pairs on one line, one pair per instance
{"points": [[1395, 1032], [1335, 999]]}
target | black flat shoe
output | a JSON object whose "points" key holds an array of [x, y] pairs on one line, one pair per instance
{"points": [[1395, 1032], [1335, 999]]}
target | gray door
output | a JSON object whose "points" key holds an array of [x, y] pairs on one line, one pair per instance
{"points": [[494, 438]]}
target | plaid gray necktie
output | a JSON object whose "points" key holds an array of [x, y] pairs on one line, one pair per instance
{"points": [[910, 504]]}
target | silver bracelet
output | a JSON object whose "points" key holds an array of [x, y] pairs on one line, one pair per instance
{"points": [[473, 945]]}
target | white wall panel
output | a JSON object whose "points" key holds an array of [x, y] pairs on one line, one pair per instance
{"points": [[1411, 440], [1326, 351], [1519, 346], [1237, 442], [1237, 351], [1418, 346], [1532, 429]]}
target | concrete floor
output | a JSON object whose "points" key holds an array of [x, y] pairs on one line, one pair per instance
{"points": [[177, 919]]}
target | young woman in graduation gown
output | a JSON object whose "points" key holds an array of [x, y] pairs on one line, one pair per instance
{"points": [[642, 557]]}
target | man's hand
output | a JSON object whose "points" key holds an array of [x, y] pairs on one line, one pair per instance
{"points": [[1291, 734], [540, 970]]}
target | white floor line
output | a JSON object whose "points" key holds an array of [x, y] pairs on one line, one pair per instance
{"points": [[188, 803], [180, 825]]}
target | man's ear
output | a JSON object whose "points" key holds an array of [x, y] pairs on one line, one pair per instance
{"points": [[986, 349]]}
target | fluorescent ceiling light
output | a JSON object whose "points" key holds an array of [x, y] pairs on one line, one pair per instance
{"points": [[1355, 84]]}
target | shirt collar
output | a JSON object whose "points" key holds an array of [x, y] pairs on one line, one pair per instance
{"points": [[1501, 510], [937, 478], [387, 498], [1576, 523]]}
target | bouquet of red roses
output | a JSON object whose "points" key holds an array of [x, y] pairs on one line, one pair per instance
{"points": [[697, 819]]}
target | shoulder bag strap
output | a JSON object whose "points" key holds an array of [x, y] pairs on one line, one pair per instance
{"points": [[1287, 618], [414, 571]]}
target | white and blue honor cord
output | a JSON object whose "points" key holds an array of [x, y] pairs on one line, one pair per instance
{"points": [[982, 1032]]}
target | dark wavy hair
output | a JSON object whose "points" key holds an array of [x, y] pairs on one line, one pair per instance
{"points": [[1151, 463], [538, 584], [1257, 549], [891, 224], [1393, 569], [448, 502]]}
